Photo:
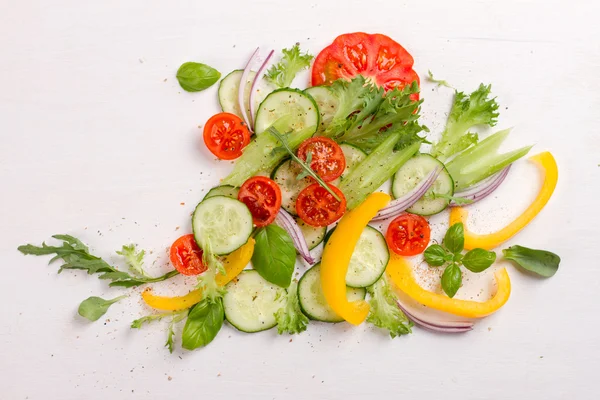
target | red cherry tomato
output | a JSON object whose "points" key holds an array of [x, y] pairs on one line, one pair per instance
{"points": [[327, 157], [186, 256], [226, 135], [317, 207], [408, 235], [375, 56], [262, 196]]}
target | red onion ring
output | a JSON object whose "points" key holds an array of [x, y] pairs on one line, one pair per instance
{"points": [[242, 87], [400, 205], [484, 188], [287, 222], [254, 83], [437, 326]]}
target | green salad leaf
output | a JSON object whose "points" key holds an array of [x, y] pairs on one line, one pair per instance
{"points": [[384, 312], [289, 317], [451, 279], [195, 77], [76, 255], [274, 256], [135, 259], [203, 324], [439, 82], [94, 307], [540, 262], [283, 73]]}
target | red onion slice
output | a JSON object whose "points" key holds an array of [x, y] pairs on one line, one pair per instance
{"points": [[437, 326], [253, 87], [287, 222], [242, 87], [483, 189], [400, 205]]}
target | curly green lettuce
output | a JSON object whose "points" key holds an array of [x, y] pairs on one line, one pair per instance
{"points": [[134, 259], [283, 73], [467, 111], [384, 312], [289, 317]]}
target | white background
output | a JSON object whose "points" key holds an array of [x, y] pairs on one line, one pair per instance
{"points": [[99, 141]]}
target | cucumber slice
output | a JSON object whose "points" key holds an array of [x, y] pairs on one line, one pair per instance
{"points": [[300, 106], [225, 190], [369, 259], [229, 87], [285, 176], [313, 235], [353, 155], [327, 103], [312, 299], [415, 170], [226, 221], [251, 302]]}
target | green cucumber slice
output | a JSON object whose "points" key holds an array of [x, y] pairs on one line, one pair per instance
{"points": [[327, 103], [227, 223], [285, 176], [251, 302], [229, 87], [312, 299], [413, 172], [301, 108], [224, 190], [313, 235]]}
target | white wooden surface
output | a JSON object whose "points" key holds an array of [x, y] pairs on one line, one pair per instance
{"points": [[99, 141]]}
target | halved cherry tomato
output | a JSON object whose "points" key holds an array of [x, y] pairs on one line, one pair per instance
{"points": [[262, 196], [373, 56], [327, 157], [408, 235], [226, 135], [186, 256], [317, 207]]}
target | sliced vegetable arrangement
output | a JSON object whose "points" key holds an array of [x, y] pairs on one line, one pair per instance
{"points": [[309, 168]]}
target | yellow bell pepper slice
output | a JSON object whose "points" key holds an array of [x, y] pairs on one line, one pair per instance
{"points": [[337, 254], [549, 170], [401, 275], [234, 263]]}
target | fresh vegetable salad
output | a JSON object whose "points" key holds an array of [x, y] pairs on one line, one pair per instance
{"points": [[293, 234]]}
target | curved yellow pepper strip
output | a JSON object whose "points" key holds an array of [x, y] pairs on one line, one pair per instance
{"points": [[234, 263], [401, 274], [549, 170], [337, 254]]}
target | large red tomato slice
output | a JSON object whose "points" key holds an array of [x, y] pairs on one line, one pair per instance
{"points": [[374, 56]]}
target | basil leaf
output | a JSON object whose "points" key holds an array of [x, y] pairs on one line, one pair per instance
{"points": [[203, 323], [455, 238], [274, 255], [435, 255], [195, 77], [540, 262], [478, 260], [94, 307], [451, 279]]}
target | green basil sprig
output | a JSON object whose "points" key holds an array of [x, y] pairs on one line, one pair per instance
{"points": [[203, 323], [540, 262], [195, 77], [449, 254], [274, 256]]}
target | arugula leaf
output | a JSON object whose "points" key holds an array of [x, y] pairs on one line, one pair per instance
{"points": [[454, 240], [75, 255], [195, 77], [203, 323], [283, 73], [451, 279], [436, 255], [438, 81], [308, 161], [478, 260], [274, 256], [540, 262], [134, 259], [94, 307], [384, 312], [304, 165], [138, 323], [290, 318], [467, 111]]}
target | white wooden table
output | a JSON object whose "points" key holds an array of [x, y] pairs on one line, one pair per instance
{"points": [[99, 141]]}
